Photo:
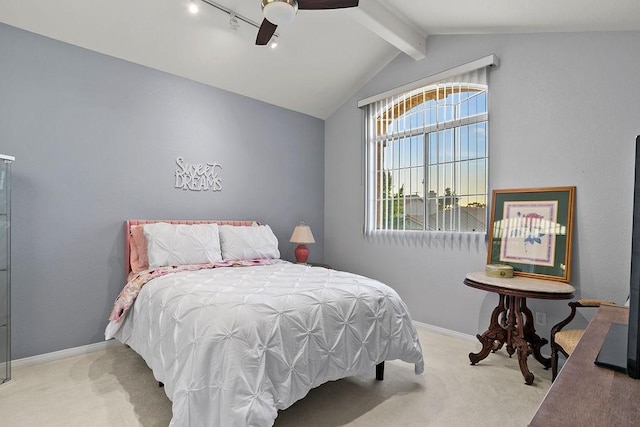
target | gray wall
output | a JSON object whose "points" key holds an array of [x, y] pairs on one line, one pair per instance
{"points": [[96, 140], [564, 110]]}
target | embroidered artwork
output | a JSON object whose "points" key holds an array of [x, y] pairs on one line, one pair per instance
{"points": [[531, 230], [198, 177], [529, 234]]}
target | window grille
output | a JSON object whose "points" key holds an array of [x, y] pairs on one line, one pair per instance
{"points": [[426, 157]]}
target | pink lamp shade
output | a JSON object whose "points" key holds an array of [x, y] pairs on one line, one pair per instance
{"points": [[302, 235]]}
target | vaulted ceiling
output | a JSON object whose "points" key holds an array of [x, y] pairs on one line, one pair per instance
{"points": [[322, 58]]}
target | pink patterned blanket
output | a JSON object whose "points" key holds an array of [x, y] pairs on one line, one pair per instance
{"points": [[131, 290]]}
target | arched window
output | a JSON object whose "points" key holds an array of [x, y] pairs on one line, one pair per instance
{"points": [[427, 158]]}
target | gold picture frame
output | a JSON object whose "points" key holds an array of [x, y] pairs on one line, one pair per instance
{"points": [[531, 229]]}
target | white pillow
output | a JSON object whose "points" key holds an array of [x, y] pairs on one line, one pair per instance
{"points": [[248, 242], [181, 244]]}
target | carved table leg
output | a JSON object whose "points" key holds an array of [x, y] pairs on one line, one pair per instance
{"points": [[502, 321], [492, 338], [534, 340], [511, 325], [520, 343]]}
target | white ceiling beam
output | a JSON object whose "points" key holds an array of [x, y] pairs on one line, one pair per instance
{"points": [[392, 26]]}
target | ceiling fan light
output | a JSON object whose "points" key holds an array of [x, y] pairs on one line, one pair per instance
{"points": [[279, 12]]}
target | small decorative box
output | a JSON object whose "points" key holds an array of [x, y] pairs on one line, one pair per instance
{"points": [[498, 270]]}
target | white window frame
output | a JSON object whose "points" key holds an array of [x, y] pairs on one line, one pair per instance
{"points": [[376, 109]]}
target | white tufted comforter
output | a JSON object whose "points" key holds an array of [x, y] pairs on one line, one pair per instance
{"points": [[232, 345]]}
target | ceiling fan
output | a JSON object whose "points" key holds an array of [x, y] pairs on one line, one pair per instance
{"points": [[282, 12]]}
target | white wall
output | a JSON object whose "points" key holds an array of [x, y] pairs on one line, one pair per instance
{"points": [[564, 110]]}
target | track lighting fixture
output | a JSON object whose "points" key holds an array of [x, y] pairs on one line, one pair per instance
{"points": [[193, 7], [234, 18], [233, 22]]}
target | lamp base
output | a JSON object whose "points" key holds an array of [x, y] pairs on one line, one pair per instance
{"points": [[302, 253]]}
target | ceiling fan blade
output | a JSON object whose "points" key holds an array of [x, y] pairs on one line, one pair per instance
{"points": [[326, 4], [266, 31]]}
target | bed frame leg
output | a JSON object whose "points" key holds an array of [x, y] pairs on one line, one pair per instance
{"points": [[380, 371]]}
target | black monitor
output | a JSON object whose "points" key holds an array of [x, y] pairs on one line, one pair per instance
{"points": [[621, 349], [633, 345]]}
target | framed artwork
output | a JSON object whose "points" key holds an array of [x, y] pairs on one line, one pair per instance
{"points": [[531, 230]]}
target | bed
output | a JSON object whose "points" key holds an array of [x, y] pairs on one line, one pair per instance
{"points": [[235, 333]]}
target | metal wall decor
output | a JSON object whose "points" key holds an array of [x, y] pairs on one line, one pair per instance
{"points": [[198, 177]]}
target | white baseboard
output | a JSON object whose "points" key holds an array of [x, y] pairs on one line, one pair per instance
{"points": [[57, 355], [90, 348], [444, 331], [460, 335]]}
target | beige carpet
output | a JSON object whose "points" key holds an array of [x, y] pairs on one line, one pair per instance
{"points": [[114, 387]]}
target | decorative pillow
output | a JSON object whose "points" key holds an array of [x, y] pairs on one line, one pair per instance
{"points": [[241, 242], [182, 244], [138, 257]]}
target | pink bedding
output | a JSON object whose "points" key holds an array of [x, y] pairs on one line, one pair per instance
{"points": [[131, 290]]}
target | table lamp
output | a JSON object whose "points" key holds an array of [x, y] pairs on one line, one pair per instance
{"points": [[302, 235]]}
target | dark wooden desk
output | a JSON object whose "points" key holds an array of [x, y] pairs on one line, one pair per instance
{"points": [[511, 321], [585, 394]]}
